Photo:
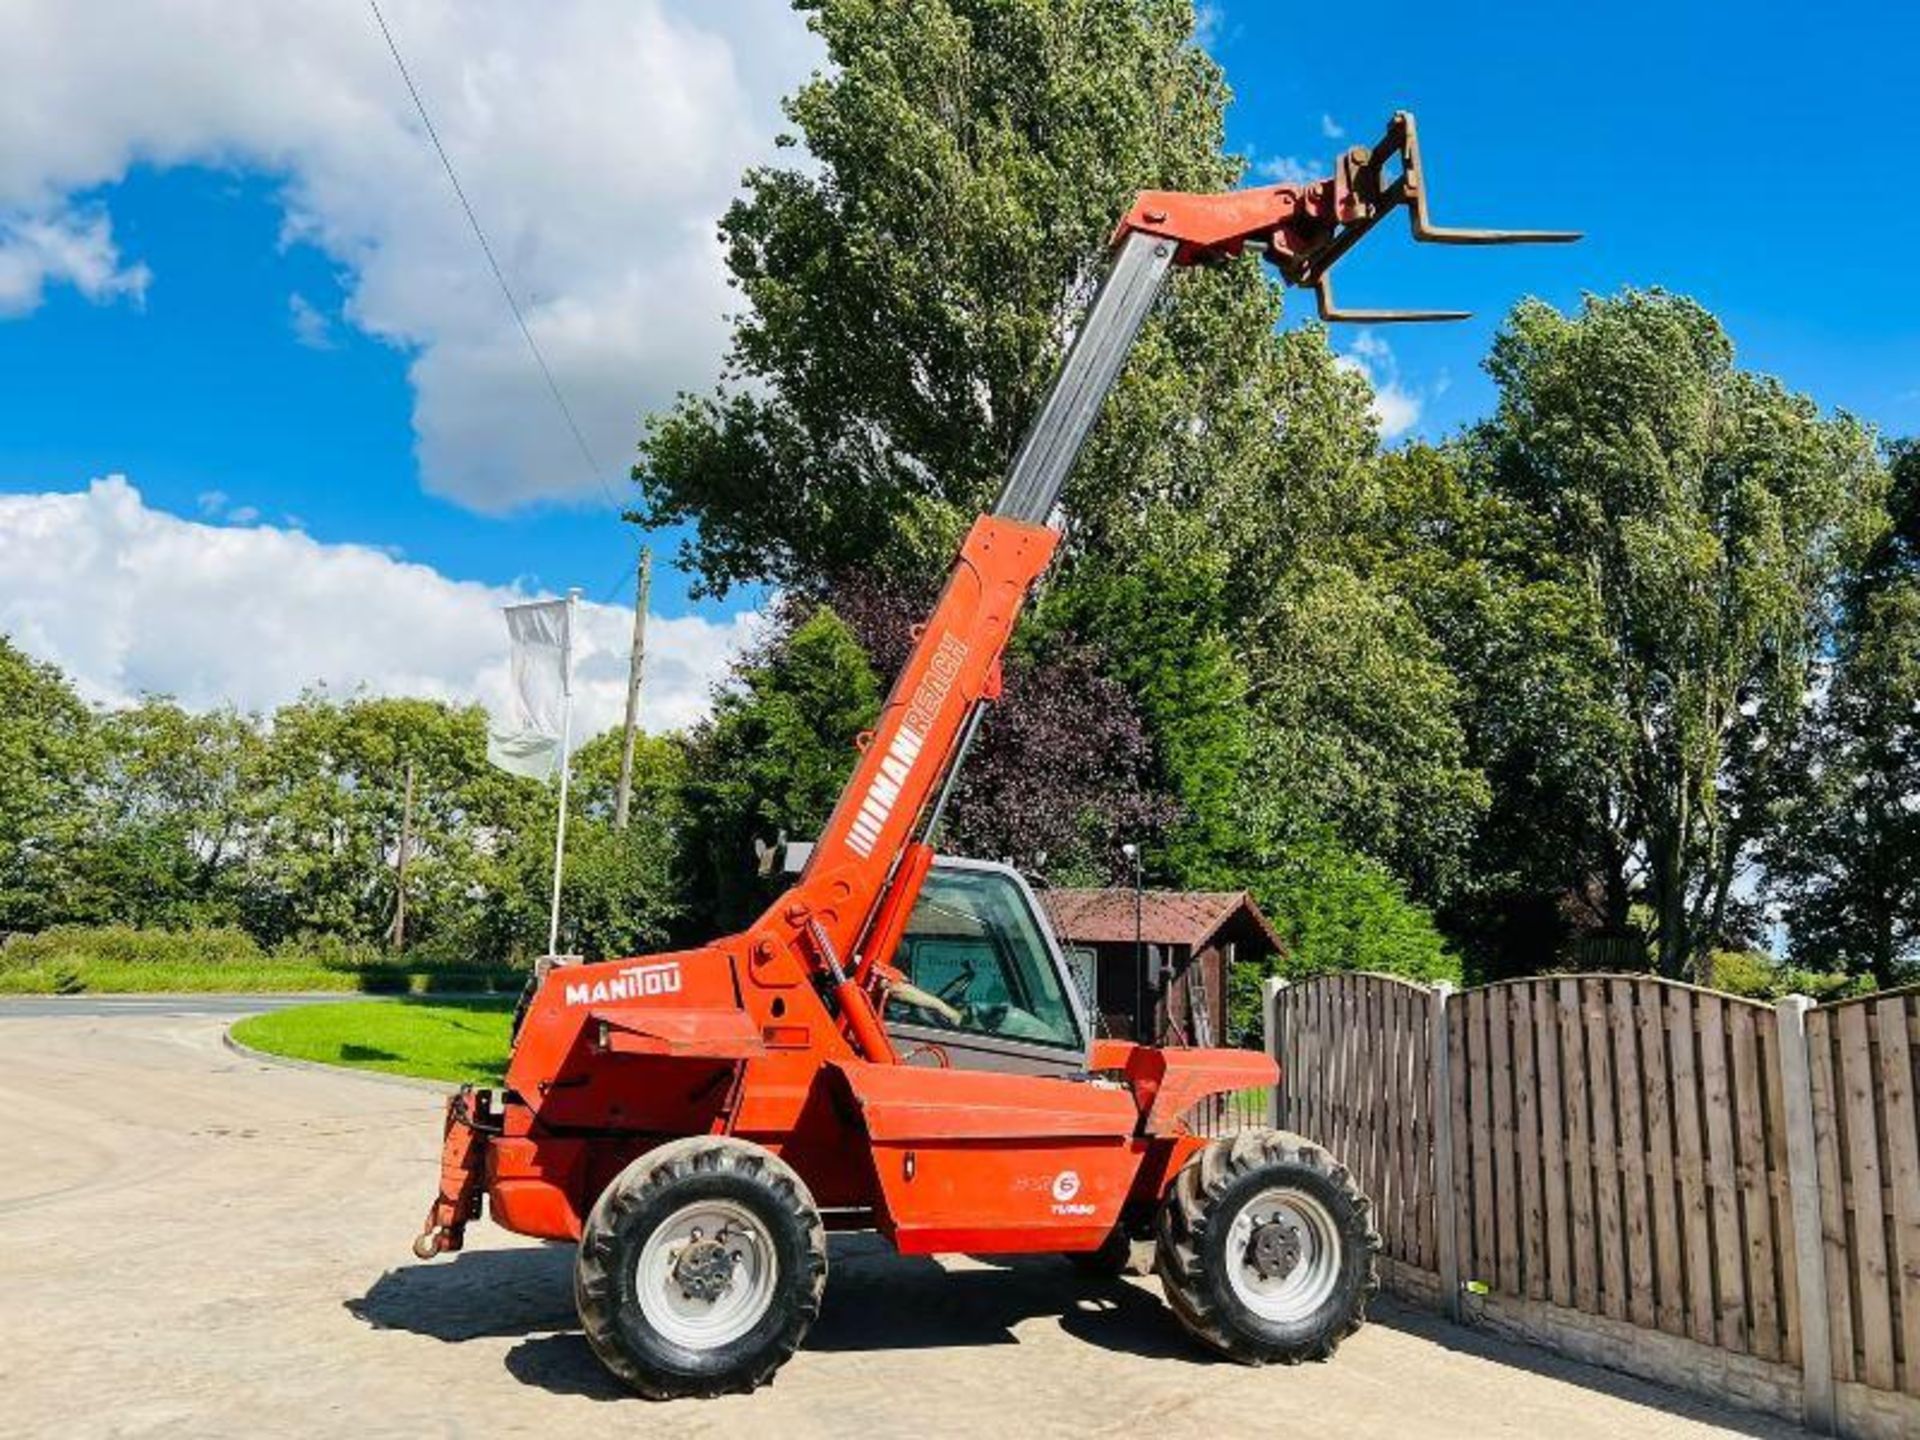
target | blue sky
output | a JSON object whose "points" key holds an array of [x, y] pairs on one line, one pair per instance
{"points": [[272, 331], [1746, 155]]}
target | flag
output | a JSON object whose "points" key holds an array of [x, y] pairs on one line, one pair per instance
{"points": [[542, 641]]}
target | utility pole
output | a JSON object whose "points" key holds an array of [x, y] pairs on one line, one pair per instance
{"points": [[398, 935], [1143, 1027], [624, 792]]}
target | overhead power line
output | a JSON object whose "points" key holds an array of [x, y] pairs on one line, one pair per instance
{"points": [[553, 386]]}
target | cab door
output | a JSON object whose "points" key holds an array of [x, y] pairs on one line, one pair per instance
{"points": [[979, 942]]}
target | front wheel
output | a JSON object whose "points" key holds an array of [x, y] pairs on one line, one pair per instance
{"points": [[700, 1269], [1265, 1249]]}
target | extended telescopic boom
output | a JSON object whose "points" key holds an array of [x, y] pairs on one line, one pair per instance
{"points": [[865, 870]]}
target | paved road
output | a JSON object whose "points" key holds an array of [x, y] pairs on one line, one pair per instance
{"points": [[96, 1006], [197, 1244]]}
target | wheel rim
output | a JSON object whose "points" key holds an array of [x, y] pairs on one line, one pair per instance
{"points": [[1283, 1255], [706, 1275]]}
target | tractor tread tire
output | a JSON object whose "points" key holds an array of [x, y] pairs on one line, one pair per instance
{"points": [[651, 1188], [1201, 1204], [1114, 1258]]}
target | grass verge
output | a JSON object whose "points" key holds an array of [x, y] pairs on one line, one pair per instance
{"points": [[457, 1040], [105, 977], [119, 959]]}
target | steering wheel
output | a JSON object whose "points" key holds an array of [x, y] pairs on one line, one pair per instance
{"points": [[957, 986]]}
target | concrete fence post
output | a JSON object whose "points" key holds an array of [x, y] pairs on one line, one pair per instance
{"points": [[1440, 1107], [1270, 989], [1803, 1187]]}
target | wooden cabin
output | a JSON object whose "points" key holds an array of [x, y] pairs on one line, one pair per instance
{"points": [[1185, 941]]}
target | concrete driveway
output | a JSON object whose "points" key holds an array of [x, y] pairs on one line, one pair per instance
{"points": [[196, 1244]]}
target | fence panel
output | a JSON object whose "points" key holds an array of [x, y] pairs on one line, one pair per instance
{"points": [[1617, 1147], [1355, 1054], [1620, 1146], [1863, 1055]]}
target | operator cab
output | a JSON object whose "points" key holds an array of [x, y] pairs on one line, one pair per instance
{"points": [[980, 943]]}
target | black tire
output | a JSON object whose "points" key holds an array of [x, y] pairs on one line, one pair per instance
{"points": [[1110, 1261], [1192, 1254], [652, 1190]]}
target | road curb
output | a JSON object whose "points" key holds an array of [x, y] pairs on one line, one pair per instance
{"points": [[410, 1082]]}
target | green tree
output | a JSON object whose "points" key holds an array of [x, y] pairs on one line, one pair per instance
{"points": [[169, 823], [1847, 859], [1525, 667], [1707, 513], [1358, 723], [1336, 911], [46, 754], [908, 292], [1161, 629], [620, 894], [771, 760], [908, 295], [327, 816]]}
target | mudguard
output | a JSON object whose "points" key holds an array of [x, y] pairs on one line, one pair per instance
{"points": [[1168, 1082], [970, 1160]]}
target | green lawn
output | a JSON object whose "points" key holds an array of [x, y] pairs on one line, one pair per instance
{"points": [[268, 977], [439, 1039]]}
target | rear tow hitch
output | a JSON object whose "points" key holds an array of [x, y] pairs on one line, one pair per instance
{"points": [[463, 1156]]}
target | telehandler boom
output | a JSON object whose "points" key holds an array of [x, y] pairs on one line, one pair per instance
{"points": [[896, 1044]]}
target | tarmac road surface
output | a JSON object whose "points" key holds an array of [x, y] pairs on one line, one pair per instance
{"points": [[193, 1243], [95, 1006]]}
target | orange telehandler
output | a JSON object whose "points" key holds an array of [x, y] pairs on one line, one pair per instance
{"points": [[897, 1043]]}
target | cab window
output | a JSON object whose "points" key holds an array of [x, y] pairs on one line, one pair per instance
{"points": [[974, 943]]}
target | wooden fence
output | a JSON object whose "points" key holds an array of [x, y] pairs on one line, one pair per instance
{"points": [[1742, 1176], [1862, 1056], [1357, 1081]]}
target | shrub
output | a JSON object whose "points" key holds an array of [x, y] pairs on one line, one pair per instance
{"points": [[1758, 976], [330, 952], [1338, 911], [70, 959], [64, 947]]}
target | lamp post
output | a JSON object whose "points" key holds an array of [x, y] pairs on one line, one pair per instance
{"points": [[1143, 992]]}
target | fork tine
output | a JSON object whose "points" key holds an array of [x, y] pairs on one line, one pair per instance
{"points": [[1334, 315]]}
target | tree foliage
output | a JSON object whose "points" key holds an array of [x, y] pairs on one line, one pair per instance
{"points": [[1702, 515], [44, 763], [170, 813], [1846, 857], [907, 298], [908, 291], [771, 760], [154, 817]]}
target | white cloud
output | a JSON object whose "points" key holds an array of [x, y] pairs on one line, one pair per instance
{"points": [[1332, 128], [310, 326], [599, 140], [1396, 408], [1396, 405], [1289, 169], [59, 245], [128, 600]]}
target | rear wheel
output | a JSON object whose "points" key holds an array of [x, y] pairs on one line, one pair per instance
{"points": [[700, 1269], [1266, 1247]]}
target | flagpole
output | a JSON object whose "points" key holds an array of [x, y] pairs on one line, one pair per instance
{"points": [[566, 738]]}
